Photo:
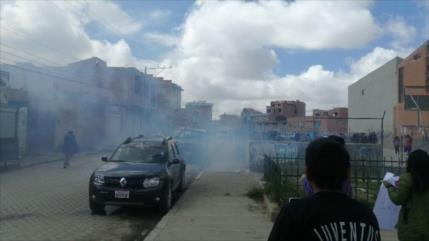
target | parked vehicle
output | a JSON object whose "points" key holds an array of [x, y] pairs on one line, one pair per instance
{"points": [[140, 172]]}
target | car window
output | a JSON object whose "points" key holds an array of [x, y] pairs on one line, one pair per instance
{"points": [[145, 154], [177, 150], [172, 154]]}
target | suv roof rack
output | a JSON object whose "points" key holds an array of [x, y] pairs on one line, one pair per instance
{"points": [[165, 139], [130, 139]]}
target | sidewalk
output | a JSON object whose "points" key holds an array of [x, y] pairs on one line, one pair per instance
{"points": [[387, 235], [215, 208], [37, 159]]}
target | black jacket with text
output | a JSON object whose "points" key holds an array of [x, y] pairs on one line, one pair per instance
{"points": [[325, 216]]}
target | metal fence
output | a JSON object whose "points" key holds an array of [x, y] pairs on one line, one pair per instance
{"points": [[366, 176]]}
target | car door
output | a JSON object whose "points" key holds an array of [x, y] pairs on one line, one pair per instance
{"points": [[173, 167], [179, 156]]}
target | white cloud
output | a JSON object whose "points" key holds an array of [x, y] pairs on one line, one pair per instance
{"points": [[112, 17], [56, 31], [401, 32], [168, 40], [371, 61], [159, 15], [227, 50], [107, 14]]}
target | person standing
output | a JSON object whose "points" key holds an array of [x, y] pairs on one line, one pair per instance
{"points": [[412, 193], [70, 148], [396, 144], [329, 214], [408, 144], [346, 188]]}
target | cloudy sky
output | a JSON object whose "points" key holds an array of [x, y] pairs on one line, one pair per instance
{"points": [[232, 53]]}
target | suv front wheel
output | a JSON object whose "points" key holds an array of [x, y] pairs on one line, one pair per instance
{"points": [[166, 200], [96, 209]]}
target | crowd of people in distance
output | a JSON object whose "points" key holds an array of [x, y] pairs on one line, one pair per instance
{"points": [[330, 213], [364, 138]]}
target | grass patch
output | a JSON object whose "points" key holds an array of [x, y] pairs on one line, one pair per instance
{"points": [[256, 193]]}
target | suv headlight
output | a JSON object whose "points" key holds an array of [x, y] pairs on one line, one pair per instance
{"points": [[151, 182], [98, 179]]}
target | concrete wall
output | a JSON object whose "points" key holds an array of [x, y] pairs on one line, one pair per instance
{"points": [[371, 96]]}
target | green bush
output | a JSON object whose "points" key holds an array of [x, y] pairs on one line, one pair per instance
{"points": [[256, 193]]}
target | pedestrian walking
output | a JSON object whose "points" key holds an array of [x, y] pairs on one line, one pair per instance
{"points": [[412, 193], [408, 144], [329, 214], [70, 147], [396, 144]]}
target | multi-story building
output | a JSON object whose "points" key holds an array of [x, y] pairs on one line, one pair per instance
{"points": [[371, 96], [335, 123], [411, 113], [283, 109], [322, 122], [229, 120], [200, 113], [102, 104]]}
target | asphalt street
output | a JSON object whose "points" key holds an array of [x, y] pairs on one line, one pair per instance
{"points": [[47, 202]]}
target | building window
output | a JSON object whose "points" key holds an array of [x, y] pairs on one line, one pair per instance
{"points": [[363, 92], [421, 100], [416, 56], [280, 110], [401, 85], [137, 85]]}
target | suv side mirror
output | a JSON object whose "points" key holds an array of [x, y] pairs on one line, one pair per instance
{"points": [[104, 159]]}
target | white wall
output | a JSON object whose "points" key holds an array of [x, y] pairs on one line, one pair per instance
{"points": [[371, 96]]}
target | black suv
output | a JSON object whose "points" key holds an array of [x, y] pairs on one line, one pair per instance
{"points": [[140, 172]]}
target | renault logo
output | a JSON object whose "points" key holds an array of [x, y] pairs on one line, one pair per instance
{"points": [[123, 182]]}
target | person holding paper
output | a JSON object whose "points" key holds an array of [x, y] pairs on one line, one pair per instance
{"points": [[412, 193]]}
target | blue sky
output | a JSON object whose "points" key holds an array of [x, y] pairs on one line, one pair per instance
{"points": [[235, 54], [290, 61]]}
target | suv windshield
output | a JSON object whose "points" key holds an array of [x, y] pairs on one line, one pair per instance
{"points": [[145, 154]]}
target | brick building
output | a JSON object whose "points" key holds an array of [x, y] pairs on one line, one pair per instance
{"points": [[283, 109], [411, 113]]}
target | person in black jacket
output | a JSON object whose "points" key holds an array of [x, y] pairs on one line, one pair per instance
{"points": [[70, 147], [329, 214]]}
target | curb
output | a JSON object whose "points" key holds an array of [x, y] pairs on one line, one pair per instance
{"points": [[273, 209], [154, 233]]}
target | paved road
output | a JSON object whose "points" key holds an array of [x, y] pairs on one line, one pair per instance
{"points": [[47, 202]]}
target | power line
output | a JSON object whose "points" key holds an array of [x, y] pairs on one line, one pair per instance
{"points": [[39, 42], [49, 74], [30, 54], [50, 67], [20, 57], [54, 73]]}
